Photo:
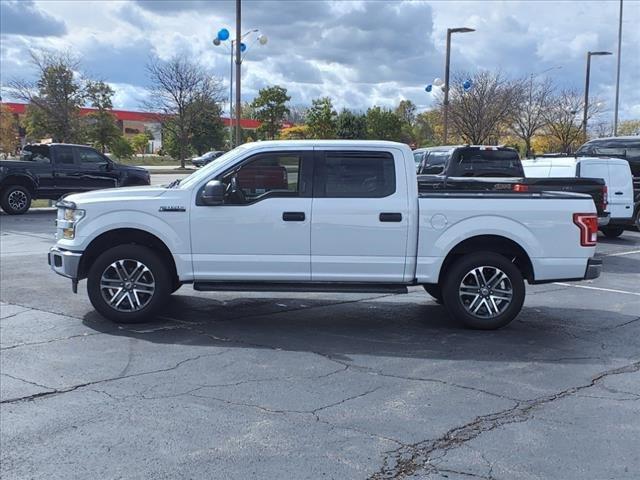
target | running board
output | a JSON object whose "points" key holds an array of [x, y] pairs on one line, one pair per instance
{"points": [[324, 287]]}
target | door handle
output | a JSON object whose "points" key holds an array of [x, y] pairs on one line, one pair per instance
{"points": [[390, 217], [619, 193], [293, 216]]}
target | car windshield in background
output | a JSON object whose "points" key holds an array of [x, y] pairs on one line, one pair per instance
{"points": [[417, 157], [435, 162], [503, 163], [35, 153], [205, 171]]}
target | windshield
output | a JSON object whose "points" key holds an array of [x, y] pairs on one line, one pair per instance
{"points": [[205, 171]]}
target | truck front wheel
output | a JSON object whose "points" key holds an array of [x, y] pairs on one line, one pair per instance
{"points": [[15, 199], [483, 290], [128, 283]]}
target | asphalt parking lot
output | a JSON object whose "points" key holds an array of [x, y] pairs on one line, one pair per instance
{"points": [[331, 386]]}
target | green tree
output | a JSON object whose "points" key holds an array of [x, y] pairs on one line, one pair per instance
{"points": [[102, 129], [9, 140], [350, 125], [406, 110], [383, 124], [270, 107], [54, 98], [629, 127], [179, 89], [321, 119], [208, 129], [121, 148], [140, 142]]}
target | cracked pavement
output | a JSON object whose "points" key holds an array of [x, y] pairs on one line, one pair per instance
{"points": [[237, 385]]}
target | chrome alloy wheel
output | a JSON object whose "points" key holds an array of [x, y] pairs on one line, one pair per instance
{"points": [[485, 292], [17, 200], [127, 285]]}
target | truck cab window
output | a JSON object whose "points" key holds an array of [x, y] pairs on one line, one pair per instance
{"points": [[90, 157], [267, 175], [36, 153], [64, 155], [356, 175]]}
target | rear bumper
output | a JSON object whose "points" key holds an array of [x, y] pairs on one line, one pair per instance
{"points": [[623, 222], [603, 220], [594, 269], [65, 262]]}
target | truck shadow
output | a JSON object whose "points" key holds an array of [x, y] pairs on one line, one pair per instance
{"points": [[378, 328]]}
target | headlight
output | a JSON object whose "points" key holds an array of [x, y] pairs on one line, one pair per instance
{"points": [[67, 220]]}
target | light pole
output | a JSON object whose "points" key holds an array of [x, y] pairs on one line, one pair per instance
{"points": [[222, 36], [586, 91], [446, 76], [615, 114]]}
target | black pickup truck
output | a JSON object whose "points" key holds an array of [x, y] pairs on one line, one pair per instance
{"points": [[488, 168], [53, 170]]}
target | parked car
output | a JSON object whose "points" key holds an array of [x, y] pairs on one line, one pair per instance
{"points": [[483, 168], [431, 156], [619, 147], [49, 171], [202, 160], [351, 219], [614, 171]]}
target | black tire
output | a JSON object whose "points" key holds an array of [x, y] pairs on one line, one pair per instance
{"points": [[149, 303], [15, 199], [435, 291], [488, 262], [613, 232]]}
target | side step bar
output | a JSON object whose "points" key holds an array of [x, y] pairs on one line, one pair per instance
{"points": [[324, 287]]}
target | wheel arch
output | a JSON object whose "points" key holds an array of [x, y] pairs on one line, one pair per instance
{"points": [[495, 244], [123, 236], [22, 180]]}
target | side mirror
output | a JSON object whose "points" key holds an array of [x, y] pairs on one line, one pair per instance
{"points": [[212, 194]]}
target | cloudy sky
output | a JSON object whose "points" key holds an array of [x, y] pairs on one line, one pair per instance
{"points": [[359, 53]]}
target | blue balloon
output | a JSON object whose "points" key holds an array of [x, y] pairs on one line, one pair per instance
{"points": [[428, 88], [243, 47], [223, 34], [467, 84]]}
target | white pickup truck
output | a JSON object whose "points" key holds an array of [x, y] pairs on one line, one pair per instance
{"points": [[321, 216]]}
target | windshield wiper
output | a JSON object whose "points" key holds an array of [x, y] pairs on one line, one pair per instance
{"points": [[175, 183]]}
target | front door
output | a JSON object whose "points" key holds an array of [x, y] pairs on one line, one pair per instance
{"points": [[360, 216], [94, 170], [262, 232]]}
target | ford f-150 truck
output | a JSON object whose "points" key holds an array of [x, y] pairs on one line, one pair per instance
{"points": [[349, 217], [49, 171]]}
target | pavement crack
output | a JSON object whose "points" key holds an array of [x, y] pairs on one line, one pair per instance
{"points": [[27, 381], [53, 340], [54, 392], [406, 461]]}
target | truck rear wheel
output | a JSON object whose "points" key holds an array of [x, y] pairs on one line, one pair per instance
{"points": [[612, 232], [483, 290], [129, 284], [15, 199]]}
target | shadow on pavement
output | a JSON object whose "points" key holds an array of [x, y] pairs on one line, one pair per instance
{"points": [[380, 328]]}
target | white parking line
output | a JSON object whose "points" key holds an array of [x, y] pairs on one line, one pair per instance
{"points": [[619, 254], [597, 288]]}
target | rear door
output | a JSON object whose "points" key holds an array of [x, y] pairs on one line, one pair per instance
{"points": [[592, 168], [620, 190], [360, 216]]}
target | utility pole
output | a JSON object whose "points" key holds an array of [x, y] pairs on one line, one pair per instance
{"points": [[446, 77], [615, 114], [586, 91], [238, 65]]}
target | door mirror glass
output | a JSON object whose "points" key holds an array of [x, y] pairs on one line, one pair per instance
{"points": [[212, 194]]}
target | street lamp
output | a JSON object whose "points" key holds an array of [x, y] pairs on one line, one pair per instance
{"points": [[222, 36], [586, 90], [446, 76]]}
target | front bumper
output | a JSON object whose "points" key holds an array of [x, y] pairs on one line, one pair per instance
{"points": [[65, 262], [594, 269]]}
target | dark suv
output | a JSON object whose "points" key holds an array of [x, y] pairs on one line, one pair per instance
{"points": [[619, 147], [49, 171]]}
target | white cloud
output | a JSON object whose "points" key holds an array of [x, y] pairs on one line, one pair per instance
{"points": [[359, 53]]}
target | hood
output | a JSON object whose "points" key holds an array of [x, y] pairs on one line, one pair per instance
{"points": [[132, 168], [123, 194]]}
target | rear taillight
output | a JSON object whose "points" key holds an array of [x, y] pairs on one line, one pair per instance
{"points": [[518, 187], [588, 225], [605, 195]]}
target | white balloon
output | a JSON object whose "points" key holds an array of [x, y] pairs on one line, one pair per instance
{"points": [[438, 82], [262, 39]]}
